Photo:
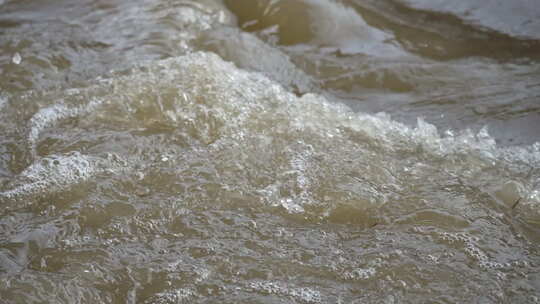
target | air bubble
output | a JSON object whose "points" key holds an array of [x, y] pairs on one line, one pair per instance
{"points": [[181, 295], [16, 59], [291, 206], [360, 274]]}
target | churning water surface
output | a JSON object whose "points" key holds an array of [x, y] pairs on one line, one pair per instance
{"points": [[294, 151]]}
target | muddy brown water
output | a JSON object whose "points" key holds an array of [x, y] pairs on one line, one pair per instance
{"points": [[299, 151]]}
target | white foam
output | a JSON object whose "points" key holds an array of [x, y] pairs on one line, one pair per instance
{"points": [[227, 109], [242, 103], [360, 273], [16, 59], [181, 295], [304, 294], [56, 172], [50, 116]]}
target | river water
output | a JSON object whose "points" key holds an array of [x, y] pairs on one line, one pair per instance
{"points": [[293, 151]]}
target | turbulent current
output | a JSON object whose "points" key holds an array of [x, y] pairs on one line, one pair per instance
{"points": [[295, 151]]}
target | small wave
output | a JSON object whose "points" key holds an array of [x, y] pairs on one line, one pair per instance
{"points": [[49, 116], [307, 139], [249, 52], [522, 22]]}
